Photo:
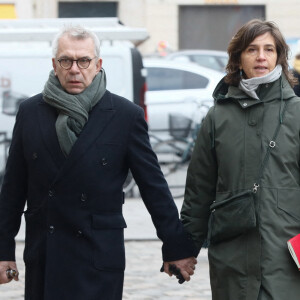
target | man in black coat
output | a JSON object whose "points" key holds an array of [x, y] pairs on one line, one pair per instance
{"points": [[71, 150]]}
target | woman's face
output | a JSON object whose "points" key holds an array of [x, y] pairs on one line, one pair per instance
{"points": [[260, 57]]}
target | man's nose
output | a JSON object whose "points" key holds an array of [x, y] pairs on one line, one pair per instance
{"points": [[74, 67]]}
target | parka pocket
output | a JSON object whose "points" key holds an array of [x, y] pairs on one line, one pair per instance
{"points": [[288, 200], [231, 217], [108, 239]]}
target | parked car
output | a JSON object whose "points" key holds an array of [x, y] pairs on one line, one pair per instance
{"points": [[176, 88], [216, 60]]}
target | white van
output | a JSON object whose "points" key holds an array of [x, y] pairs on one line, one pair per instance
{"points": [[25, 62]]}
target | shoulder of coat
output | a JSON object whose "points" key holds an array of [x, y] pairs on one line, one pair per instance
{"points": [[32, 101], [120, 102]]}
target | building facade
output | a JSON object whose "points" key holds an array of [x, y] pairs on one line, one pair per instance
{"points": [[172, 24]]}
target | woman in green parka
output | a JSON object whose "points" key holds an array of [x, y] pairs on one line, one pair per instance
{"points": [[249, 143]]}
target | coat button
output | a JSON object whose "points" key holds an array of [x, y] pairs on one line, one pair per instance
{"points": [[252, 123], [79, 233], [104, 161], [83, 197], [51, 193], [34, 155], [51, 229], [245, 104]]}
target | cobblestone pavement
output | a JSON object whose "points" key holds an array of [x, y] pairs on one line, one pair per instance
{"points": [[143, 281]]}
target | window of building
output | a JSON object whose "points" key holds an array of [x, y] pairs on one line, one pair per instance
{"points": [[87, 9]]}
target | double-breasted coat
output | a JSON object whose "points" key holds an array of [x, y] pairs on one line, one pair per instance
{"points": [[74, 246], [228, 154]]}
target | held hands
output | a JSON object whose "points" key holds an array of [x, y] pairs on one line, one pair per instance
{"points": [[8, 271], [183, 269]]}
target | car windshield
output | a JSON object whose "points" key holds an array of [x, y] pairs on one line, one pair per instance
{"points": [[213, 62], [224, 61]]}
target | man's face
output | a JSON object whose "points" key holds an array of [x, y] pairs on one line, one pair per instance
{"points": [[76, 80]]}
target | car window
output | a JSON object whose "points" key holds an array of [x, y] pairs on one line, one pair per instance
{"points": [[171, 79]]}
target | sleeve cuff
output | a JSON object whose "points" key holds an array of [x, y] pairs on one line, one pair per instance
{"points": [[178, 248]]}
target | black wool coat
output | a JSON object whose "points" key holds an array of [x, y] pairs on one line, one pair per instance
{"points": [[74, 246]]}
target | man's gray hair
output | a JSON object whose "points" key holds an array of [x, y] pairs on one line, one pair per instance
{"points": [[77, 32]]}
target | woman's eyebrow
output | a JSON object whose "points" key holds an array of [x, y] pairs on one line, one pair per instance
{"points": [[266, 45]]}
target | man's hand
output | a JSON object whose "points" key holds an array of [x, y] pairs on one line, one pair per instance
{"points": [[186, 267], [8, 265]]}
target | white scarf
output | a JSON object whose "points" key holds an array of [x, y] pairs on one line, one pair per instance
{"points": [[249, 86]]}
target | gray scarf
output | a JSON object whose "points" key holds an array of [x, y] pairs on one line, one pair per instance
{"points": [[249, 86], [73, 109]]}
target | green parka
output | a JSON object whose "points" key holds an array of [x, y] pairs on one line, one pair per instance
{"points": [[230, 147]]}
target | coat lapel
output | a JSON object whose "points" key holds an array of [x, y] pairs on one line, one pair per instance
{"points": [[47, 117], [99, 118]]}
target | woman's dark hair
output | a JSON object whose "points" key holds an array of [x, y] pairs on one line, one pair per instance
{"points": [[244, 37]]}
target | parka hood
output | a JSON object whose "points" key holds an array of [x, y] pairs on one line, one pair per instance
{"points": [[266, 92]]}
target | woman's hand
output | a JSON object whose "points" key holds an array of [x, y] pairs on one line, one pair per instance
{"points": [[186, 267]]}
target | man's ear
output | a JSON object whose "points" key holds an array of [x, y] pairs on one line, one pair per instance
{"points": [[54, 65], [99, 65]]}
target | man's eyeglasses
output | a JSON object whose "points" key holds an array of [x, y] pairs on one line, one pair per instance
{"points": [[82, 63]]}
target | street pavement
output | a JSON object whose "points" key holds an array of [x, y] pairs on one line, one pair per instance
{"points": [[143, 281]]}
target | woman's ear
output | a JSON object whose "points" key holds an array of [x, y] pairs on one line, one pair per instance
{"points": [[241, 72]]}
